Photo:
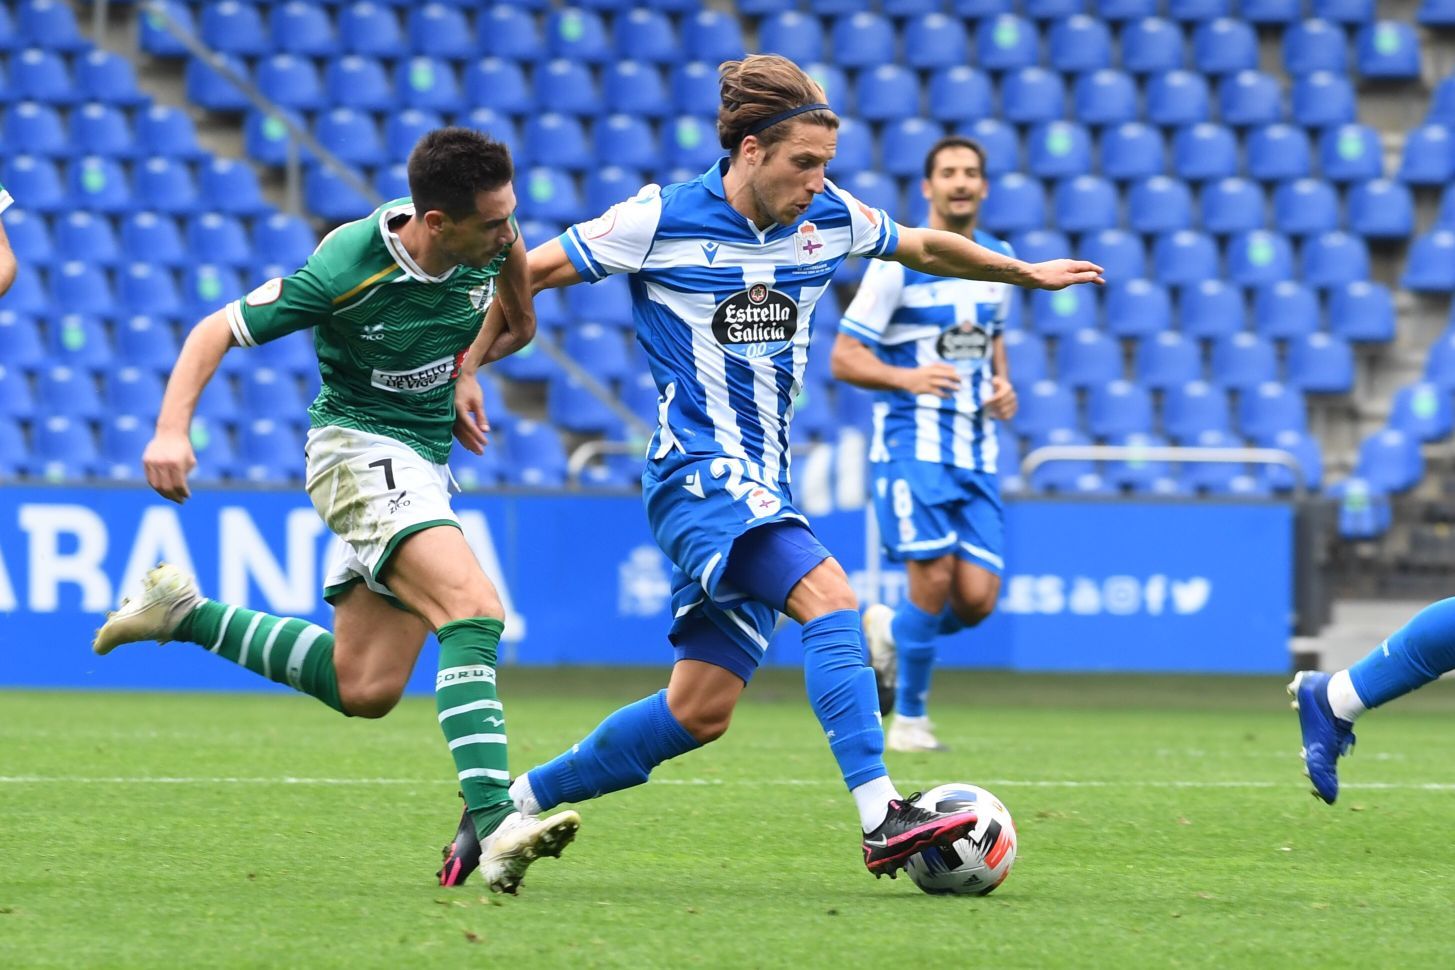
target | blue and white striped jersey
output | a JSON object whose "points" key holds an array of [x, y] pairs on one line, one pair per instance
{"points": [[912, 319], [724, 309]]}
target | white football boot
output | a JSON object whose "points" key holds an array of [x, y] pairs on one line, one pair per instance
{"points": [[521, 840], [167, 596], [912, 734], [883, 657]]}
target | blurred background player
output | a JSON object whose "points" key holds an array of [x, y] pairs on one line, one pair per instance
{"points": [[8, 267], [725, 272], [396, 302], [934, 349], [1416, 654]]}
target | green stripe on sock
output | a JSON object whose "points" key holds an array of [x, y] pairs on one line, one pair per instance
{"points": [[286, 650], [472, 718]]}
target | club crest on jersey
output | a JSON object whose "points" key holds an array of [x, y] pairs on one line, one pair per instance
{"points": [[807, 244], [968, 341], [480, 296], [756, 322]]}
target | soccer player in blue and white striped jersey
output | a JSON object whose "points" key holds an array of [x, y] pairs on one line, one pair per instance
{"points": [[725, 271], [933, 348]]}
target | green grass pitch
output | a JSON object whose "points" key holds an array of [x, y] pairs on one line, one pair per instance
{"points": [[1163, 822]]}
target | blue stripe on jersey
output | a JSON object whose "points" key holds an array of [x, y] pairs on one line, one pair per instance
{"points": [[938, 316], [581, 258]]}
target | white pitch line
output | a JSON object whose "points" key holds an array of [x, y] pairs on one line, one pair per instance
{"points": [[1292, 783]]}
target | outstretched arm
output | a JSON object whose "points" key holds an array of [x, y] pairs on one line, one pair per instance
{"points": [[940, 253], [550, 267]]}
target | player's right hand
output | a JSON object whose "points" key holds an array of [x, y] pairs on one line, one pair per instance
{"points": [[472, 427], [941, 380], [167, 461]]}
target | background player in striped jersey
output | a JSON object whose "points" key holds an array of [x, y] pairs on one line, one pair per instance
{"points": [[934, 349], [8, 267], [399, 303], [725, 271]]}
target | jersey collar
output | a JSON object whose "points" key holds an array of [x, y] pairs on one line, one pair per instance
{"points": [[396, 248], [712, 181]]}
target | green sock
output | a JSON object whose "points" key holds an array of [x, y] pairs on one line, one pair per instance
{"points": [[472, 719], [282, 649]]}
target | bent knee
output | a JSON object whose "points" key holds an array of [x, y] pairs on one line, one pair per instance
{"points": [[975, 611], [706, 725], [369, 702]]}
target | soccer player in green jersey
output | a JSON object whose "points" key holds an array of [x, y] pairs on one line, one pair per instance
{"points": [[7, 255], [400, 304]]}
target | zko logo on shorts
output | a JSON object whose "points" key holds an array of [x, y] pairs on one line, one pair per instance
{"points": [[756, 322], [965, 342]]}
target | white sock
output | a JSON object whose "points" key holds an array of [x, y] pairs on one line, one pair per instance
{"points": [[524, 797], [872, 798], [1343, 698]]}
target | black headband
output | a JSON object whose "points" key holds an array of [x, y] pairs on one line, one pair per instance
{"points": [[772, 120]]}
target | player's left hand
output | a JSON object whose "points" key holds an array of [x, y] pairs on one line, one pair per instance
{"points": [[1002, 403], [472, 427], [1057, 274]]}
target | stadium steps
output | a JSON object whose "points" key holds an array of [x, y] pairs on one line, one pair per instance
{"points": [[1357, 626]]}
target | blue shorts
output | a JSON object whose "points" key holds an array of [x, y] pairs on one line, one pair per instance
{"points": [[738, 547], [927, 510]]}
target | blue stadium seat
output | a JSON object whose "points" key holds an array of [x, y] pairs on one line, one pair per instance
{"points": [[101, 129], [556, 140], [404, 129], [1211, 308], [1058, 149], [1063, 312], [1038, 245], [1343, 11], [286, 239], [959, 94], [1087, 358], [1185, 256], [86, 237], [68, 392], [1266, 409], [1159, 204], [1361, 312], [534, 455], [1436, 13], [576, 34], [167, 130], [1429, 156], [1067, 477], [16, 399], [132, 390], [694, 89], [145, 341], [206, 288], [1423, 412], [1270, 11], [1191, 409], [796, 36], [509, 32], [78, 340], [163, 185], [567, 87], [1250, 98], [234, 28], [887, 92], [145, 288], [1026, 354], [549, 194], [269, 393], [78, 288], [1333, 258], [1364, 511], [1119, 253], [1259, 257], [476, 472], [1005, 42], [1079, 45], [427, 82], [1387, 50], [1445, 215], [1132, 151], [123, 439], [636, 88], [373, 30], [1285, 309], [905, 144], [291, 81], [1045, 407], [499, 84], [1015, 203], [29, 237], [1057, 10], [108, 78], [1196, 11], [1440, 360], [1032, 94], [359, 82], [210, 89], [28, 294], [1002, 146], [1322, 99], [1085, 204], [1315, 45], [35, 129], [1138, 474], [1224, 46], [302, 28], [268, 452], [49, 24], [96, 183], [1204, 151], [1177, 98], [155, 39], [898, 9], [1232, 205], [1278, 152], [934, 41], [855, 148], [1305, 206], [714, 37], [1430, 265], [216, 238], [1118, 408], [1243, 362], [572, 407], [439, 30], [690, 142], [978, 9], [880, 191], [1151, 45], [1321, 364], [626, 141], [1381, 209], [1105, 97], [601, 350], [63, 448], [42, 75], [834, 82], [1116, 11], [1168, 359], [1218, 478], [1137, 308], [1390, 460], [352, 136], [292, 355]]}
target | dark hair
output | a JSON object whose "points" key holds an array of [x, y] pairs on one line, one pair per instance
{"points": [[953, 141], [758, 87], [449, 167]]}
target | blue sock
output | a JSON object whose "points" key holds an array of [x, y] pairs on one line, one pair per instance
{"points": [[950, 621], [620, 753], [1417, 653], [914, 640], [841, 689]]}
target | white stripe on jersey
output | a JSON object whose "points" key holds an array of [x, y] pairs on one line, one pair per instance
{"points": [[927, 414], [765, 384], [709, 361]]}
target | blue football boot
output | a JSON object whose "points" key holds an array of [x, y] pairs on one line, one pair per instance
{"points": [[1325, 737]]}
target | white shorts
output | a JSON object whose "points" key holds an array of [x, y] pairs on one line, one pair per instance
{"points": [[372, 491]]}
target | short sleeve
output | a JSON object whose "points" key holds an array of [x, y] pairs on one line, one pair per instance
{"points": [[618, 240], [281, 306], [874, 233], [5, 198], [874, 303]]}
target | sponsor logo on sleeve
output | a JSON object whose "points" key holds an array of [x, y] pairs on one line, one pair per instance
{"points": [[265, 294]]}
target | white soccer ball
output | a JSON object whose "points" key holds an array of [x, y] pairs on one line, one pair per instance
{"points": [[976, 864]]}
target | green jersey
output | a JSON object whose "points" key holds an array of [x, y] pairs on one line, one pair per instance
{"points": [[390, 338]]}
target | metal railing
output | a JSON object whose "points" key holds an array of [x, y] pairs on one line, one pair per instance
{"points": [[1170, 454]]}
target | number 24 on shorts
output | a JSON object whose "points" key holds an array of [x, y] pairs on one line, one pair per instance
{"points": [[744, 485]]}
